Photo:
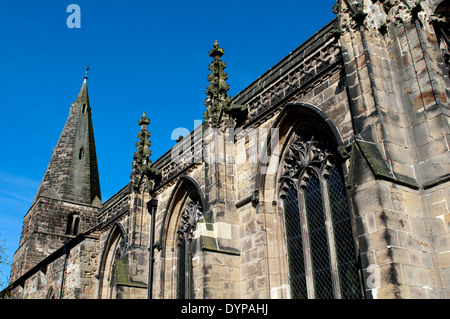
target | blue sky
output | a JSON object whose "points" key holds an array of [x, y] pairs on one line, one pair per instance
{"points": [[143, 56]]}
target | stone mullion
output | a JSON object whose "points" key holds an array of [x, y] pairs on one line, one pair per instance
{"points": [[331, 242], [306, 246]]}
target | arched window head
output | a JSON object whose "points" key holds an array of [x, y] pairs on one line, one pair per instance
{"points": [[73, 224], [190, 214], [114, 253], [84, 108], [321, 251]]}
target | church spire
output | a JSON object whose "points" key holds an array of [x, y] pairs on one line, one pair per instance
{"points": [[68, 198], [72, 173], [83, 96]]}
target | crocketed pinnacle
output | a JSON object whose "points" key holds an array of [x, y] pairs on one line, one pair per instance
{"points": [[141, 158], [217, 100]]}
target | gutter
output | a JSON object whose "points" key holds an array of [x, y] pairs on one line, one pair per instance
{"points": [[151, 207], [63, 271]]}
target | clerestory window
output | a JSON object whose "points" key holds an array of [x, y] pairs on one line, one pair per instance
{"points": [[321, 252]]}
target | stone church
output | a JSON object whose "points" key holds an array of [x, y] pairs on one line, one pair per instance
{"points": [[327, 177]]}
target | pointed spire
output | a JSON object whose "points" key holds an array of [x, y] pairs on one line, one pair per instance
{"points": [[83, 95], [141, 158], [217, 99], [72, 173]]}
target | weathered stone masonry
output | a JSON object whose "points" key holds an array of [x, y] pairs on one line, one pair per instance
{"points": [[365, 98]]}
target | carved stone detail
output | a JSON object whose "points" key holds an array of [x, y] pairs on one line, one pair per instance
{"points": [[217, 100], [141, 157], [112, 214], [120, 249], [302, 75], [375, 15], [192, 212], [302, 157]]}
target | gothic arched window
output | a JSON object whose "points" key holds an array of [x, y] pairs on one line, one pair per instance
{"points": [[115, 250], [321, 253], [190, 214], [118, 254]]}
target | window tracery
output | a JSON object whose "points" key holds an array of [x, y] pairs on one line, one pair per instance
{"points": [[321, 253], [191, 213]]}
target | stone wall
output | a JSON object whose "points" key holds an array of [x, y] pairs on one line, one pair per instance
{"points": [[397, 86], [378, 91], [45, 231], [75, 272]]}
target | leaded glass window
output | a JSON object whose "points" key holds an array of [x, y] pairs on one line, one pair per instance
{"points": [[321, 252], [295, 245], [192, 211], [318, 240], [349, 281], [184, 269]]}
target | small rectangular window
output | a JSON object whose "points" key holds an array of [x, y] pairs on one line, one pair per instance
{"points": [[73, 224]]}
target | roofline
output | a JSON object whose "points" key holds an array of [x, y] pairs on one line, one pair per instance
{"points": [[286, 60], [254, 87], [124, 191]]}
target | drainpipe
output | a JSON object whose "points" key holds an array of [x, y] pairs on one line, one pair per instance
{"points": [[66, 252], [151, 206]]}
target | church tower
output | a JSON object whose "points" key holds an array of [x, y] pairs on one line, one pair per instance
{"points": [[68, 199]]}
